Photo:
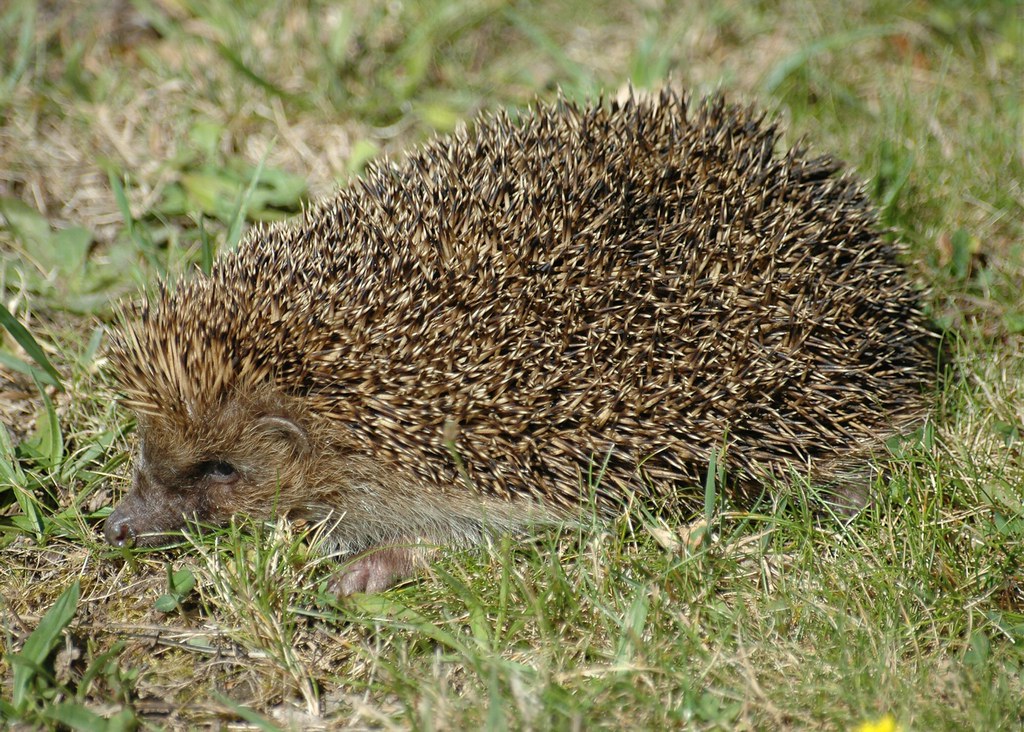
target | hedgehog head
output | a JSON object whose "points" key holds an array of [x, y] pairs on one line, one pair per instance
{"points": [[246, 457], [216, 433]]}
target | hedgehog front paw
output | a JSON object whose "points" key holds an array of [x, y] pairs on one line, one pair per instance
{"points": [[379, 568]]}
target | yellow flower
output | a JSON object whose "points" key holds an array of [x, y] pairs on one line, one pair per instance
{"points": [[885, 724]]}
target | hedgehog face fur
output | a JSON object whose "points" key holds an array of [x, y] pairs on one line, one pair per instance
{"points": [[460, 342], [211, 464]]}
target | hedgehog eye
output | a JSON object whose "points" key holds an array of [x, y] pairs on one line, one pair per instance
{"points": [[218, 470]]}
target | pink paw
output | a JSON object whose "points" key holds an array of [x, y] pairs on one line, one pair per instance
{"points": [[378, 569]]}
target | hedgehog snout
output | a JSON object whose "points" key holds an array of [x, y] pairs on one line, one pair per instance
{"points": [[118, 531], [151, 510], [123, 527]]}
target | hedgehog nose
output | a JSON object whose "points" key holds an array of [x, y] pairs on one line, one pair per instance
{"points": [[118, 531]]}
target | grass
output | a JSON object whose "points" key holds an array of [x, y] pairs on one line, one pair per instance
{"points": [[136, 137]]}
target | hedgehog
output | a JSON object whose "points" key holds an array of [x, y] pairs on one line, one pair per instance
{"points": [[570, 305]]}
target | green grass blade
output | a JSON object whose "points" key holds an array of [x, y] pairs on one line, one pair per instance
{"points": [[135, 232], [238, 219], [21, 334], [17, 365], [582, 78], [12, 476], [24, 53], [787, 66], [41, 642], [75, 716], [232, 57], [711, 487], [10, 472], [633, 628], [404, 616], [206, 247], [51, 441]]}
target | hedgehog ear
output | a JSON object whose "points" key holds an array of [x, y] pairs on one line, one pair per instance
{"points": [[287, 429]]}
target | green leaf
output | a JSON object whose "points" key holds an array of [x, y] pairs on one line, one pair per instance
{"points": [[22, 367], [32, 522], [361, 154], [205, 135], [1014, 322], [182, 582], [438, 116], [964, 248], [166, 603], [496, 719], [13, 476], [211, 192], [50, 440], [277, 188], [26, 341], [46, 446], [479, 623], [979, 650], [99, 665], [41, 642], [72, 248], [27, 224], [25, 524], [179, 584], [75, 716], [894, 168], [123, 721], [65, 250], [174, 201]]}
